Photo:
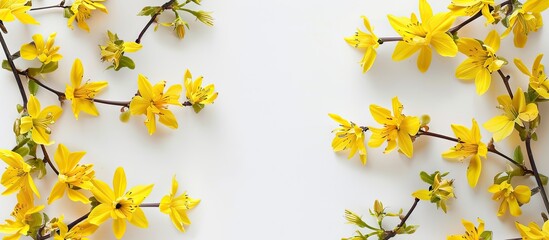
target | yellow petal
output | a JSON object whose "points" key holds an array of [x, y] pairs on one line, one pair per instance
{"points": [[168, 118], [77, 72], [119, 227], [381, 115], [425, 11], [405, 144], [144, 87], [139, 193], [28, 51], [33, 106], [138, 218], [339, 119], [77, 196], [493, 40], [410, 125], [422, 194], [482, 81], [119, 182], [500, 126], [468, 69], [102, 192], [57, 192], [523, 194], [424, 59], [473, 171], [368, 59], [132, 47], [520, 65], [404, 50], [100, 214], [444, 44], [139, 105], [530, 113]]}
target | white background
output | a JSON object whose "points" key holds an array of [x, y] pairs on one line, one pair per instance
{"points": [[260, 157]]}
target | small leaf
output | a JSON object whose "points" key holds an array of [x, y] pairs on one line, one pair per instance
{"points": [[23, 151], [197, 107], [68, 13], [149, 11], [486, 235], [50, 67], [6, 65], [534, 136], [543, 179], [517, 155], [426, 177], [33, 87], [125, 62], [34, 71]]}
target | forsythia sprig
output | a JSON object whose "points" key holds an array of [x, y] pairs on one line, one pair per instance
{"points": [[520, 108]]}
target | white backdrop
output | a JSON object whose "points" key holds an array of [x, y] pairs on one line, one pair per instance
{"points": [[260, 157]]}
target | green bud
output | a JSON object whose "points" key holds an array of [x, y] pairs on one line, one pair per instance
{"points": [[125, 116], [20, 108], [425, 120]]}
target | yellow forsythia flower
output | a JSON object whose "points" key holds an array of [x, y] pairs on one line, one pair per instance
{"points": [[526, 19], [481, 62], [472, 7], [82, 95], [440, 191], [348, 136], [11, 9], [510, 198], [196, 94], [516, 111], [38, 122], [471, 232], [533, 231], [152, 101], [79, 232], [17, 176], [118, 205], [72, 176], [176, 206], [366, 41], [178, 25], [22, 212], [81, 10], [469, 145], [115, 48], [538, 79], [397, 129], [420, 36], [45, 52]]}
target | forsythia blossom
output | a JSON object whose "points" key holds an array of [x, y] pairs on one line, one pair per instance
{"points": [[72, 176], [39, 121], [516, 111], [538, 79], [368, 42], [472, 7], [22, 212], [469, 145], [348, 136], [398, 129], [431, 32], [176, 206], [118, 205], [472, 232], [17, 176], [533, 231], [511, 198], [81, 11], [197, 95], [11, 9], [527, 18], [82, 95], [152, 101], [114, 51], [481, 62], [440, 191], [45, 52]]}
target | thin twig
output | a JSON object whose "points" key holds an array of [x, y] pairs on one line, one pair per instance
{"points": [[47, 159], [536, 173], [60, 5], [70, 226], [149, 205], [505, 79], [165, 6], [393, 232], [14, 70]]}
